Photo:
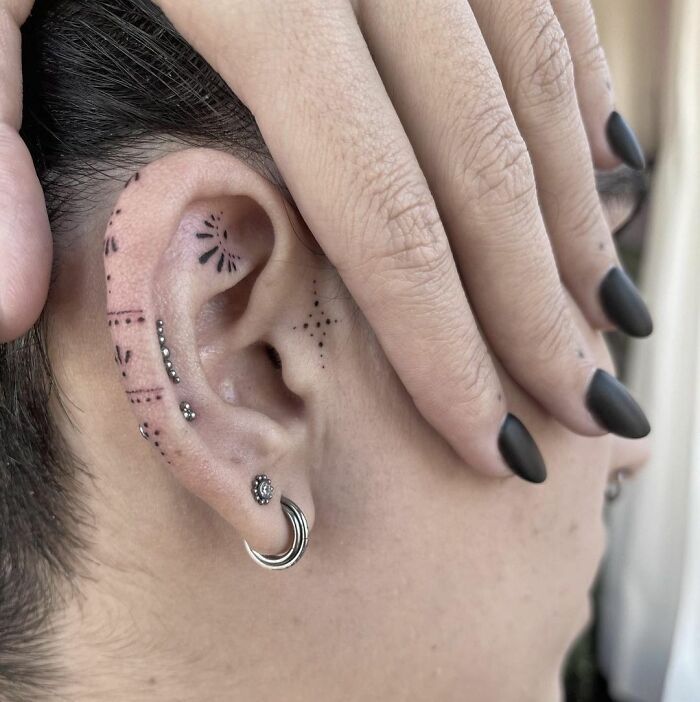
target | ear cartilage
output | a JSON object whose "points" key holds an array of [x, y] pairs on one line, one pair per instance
{"points": [[165, 352], [187, 412], [262, 489]]}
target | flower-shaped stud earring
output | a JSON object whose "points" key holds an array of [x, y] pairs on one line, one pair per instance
{"points": [[262, 489]]}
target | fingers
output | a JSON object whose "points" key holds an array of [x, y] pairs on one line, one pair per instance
{"points": [[25, 237], [534, 62], [611, 139], [482, 178], [348, 162]]}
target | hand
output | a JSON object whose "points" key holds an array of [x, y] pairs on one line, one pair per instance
{"points": [[25, 260], [380, 178]]}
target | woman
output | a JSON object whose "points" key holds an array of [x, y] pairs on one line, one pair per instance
{"points": [[202, 362]]}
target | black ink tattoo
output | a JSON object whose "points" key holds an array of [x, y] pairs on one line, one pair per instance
{"points": [[111, 245], [132, 179], [157, 440], [144, 395], [124, 317], [322, 321], [122, 360], [226, 258]]}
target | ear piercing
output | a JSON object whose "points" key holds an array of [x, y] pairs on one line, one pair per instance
{"points": [[262, 489], [187, 412], [300, 540], [613, 489], [165, 351]]}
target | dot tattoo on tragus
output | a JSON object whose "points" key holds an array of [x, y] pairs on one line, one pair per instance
{"points": [[318, 326]]}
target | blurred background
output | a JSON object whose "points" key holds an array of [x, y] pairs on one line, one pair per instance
{"points": [[644, 644]]}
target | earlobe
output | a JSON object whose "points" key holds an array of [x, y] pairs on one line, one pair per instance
{"points": [[194, 293]]}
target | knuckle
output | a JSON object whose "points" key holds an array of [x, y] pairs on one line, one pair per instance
{"points": [[593, 58], [548, 71], [412, 239], [473, 387], [498, 172], [552, 331], [479, 387], [584, 215]]}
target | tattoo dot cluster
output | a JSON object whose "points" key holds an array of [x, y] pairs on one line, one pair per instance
{"points": [[219, 249], [165, 353], [138, 396], [116, 318], [111, 244], [318, 324], [147, 434]]}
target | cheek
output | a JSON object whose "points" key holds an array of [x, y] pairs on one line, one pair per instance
{"points": [[466, 573], [530, 554]]}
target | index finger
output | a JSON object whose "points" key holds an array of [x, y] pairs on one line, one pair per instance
{"points": [[338, 141], [25, 237]]}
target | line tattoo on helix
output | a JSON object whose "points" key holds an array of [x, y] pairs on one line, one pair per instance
{"points": [[165, 353]]}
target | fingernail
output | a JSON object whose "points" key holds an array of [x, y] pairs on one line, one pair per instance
{"points": [[623, 141], [624, 305], [520, 451], [612, 406]]}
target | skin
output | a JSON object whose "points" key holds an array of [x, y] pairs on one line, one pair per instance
{"points": [[408, 202], [432, 581]]}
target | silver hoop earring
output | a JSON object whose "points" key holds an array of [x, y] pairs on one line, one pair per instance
{"points": [[613, 489], [300, 529]]}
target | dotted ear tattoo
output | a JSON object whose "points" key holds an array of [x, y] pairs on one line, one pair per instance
{"points": [[154, 436], [317, 325], [262, 489], [165, 352]]}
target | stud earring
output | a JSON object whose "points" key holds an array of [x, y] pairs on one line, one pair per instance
{"points": [[165, 352], [262, 489], [187, 412]]}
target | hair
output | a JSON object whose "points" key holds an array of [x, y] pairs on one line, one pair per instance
{"points": [[106, 83]]}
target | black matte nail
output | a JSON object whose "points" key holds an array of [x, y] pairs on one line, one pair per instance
{"points": [[624, 305], [623, 142], [520, 451], [612, 406]]}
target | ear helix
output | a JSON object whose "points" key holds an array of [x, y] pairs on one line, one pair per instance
{"points": [[158, 383]]}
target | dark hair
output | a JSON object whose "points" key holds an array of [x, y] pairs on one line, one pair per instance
{"points": [[105, 81]]}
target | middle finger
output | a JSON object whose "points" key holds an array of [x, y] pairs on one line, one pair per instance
{"points": [[447, 91]]}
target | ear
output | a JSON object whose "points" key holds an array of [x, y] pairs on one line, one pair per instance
{"points": [[206, 296]]}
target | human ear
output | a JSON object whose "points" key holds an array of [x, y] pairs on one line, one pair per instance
{"points": [[203, 266]]}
